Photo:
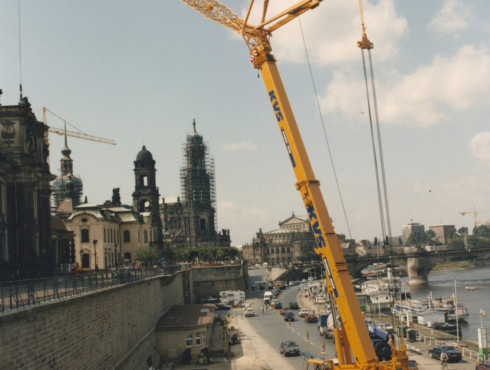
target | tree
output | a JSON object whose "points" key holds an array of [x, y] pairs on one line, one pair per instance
{"points": [[147, 255]]}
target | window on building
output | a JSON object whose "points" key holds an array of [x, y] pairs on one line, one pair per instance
{"points": [[85, 236], [105, 239], [188, 340], [145, 236], [203, 224], [126, 236], [204, 342], [198, 339]]}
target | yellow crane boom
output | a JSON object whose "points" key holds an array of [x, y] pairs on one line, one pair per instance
{"points": [[355, 333]]}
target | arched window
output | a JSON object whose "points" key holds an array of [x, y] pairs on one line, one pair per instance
{"points": [[85, 236], [85, 261]]}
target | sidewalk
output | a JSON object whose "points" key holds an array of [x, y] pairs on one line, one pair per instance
{"points": [[252, 353]]}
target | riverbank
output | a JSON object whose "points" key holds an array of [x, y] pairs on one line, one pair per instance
{"points": [[462, 265]]}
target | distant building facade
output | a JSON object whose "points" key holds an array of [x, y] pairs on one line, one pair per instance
{"points": [[409, 228], [26, 248], [282, 246], [443, 232]]}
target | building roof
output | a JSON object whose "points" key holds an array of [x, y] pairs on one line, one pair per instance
{"points": [[57, 223], [186, 316]]}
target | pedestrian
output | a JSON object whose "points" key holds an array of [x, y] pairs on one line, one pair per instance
{"points": [[443, 359]]}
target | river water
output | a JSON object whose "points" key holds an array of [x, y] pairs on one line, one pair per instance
{"points": [[441, 284]]}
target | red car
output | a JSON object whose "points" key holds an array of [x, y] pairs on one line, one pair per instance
{"points": [[311, 318]]}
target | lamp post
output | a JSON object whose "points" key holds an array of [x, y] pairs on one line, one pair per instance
{"points": [[95, 255]]}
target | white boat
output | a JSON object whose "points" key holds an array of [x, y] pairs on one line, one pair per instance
{"points": [[471, 288], [385, 290]]}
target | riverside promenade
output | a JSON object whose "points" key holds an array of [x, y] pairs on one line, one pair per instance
{"points": [[427, 339]]}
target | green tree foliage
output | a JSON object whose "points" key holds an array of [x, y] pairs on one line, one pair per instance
{"points": [[419, 238], [205, 254], [308, 253], [147, 256]]}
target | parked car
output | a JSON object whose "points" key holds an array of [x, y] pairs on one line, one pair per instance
{"points": [[289, 348], [282, 311], [249, 312], [483, 366], [289, 316], [453, 355], [303, 312], [311, 318], [293, 306], [222, 306], [412, 365]]}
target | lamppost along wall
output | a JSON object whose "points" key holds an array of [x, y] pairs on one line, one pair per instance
{"points": [[95, 255]]}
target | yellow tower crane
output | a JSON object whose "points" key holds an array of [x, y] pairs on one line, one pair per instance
{"points": [[475, 213], [354, 347]]}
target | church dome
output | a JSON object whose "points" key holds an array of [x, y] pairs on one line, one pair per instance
{"points": [[144, 156]]}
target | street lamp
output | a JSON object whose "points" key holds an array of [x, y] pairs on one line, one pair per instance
{"points": [[95, 255]]}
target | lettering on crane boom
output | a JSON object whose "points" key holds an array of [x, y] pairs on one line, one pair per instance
{"points": [[279, 117], [320, 241]]}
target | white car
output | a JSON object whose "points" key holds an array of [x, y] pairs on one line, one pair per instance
{"points": [[303, 312], [249, 312]]}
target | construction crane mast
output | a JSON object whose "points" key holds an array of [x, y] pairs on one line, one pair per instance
{"points": [[355, 337]]}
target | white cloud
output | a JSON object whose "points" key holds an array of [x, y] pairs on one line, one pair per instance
{"points": [[240, 220], [454, 16], [428, 96], [480, 146], [242, 146], [332, 31]]}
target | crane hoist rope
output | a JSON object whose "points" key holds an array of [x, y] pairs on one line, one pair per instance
{"points": [[365, 44]]}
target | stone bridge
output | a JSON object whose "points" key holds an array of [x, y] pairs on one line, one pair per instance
{"points": [[416, 265]]}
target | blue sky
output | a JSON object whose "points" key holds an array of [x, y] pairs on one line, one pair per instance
{"points": [[138, 71]]}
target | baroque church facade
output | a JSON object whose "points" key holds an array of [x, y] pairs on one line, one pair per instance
{"points": [[108, 235], [26, 248]]}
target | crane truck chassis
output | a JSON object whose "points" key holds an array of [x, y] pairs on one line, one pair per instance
{"points": [[352, 340]]}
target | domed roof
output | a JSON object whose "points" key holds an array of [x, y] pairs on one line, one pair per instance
{"points": [[144, 155]]}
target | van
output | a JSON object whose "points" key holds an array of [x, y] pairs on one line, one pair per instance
{"points": [[267, 297], [237, 296]]}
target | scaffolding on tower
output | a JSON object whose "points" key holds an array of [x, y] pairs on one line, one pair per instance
{"points": [[197, 181]]}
